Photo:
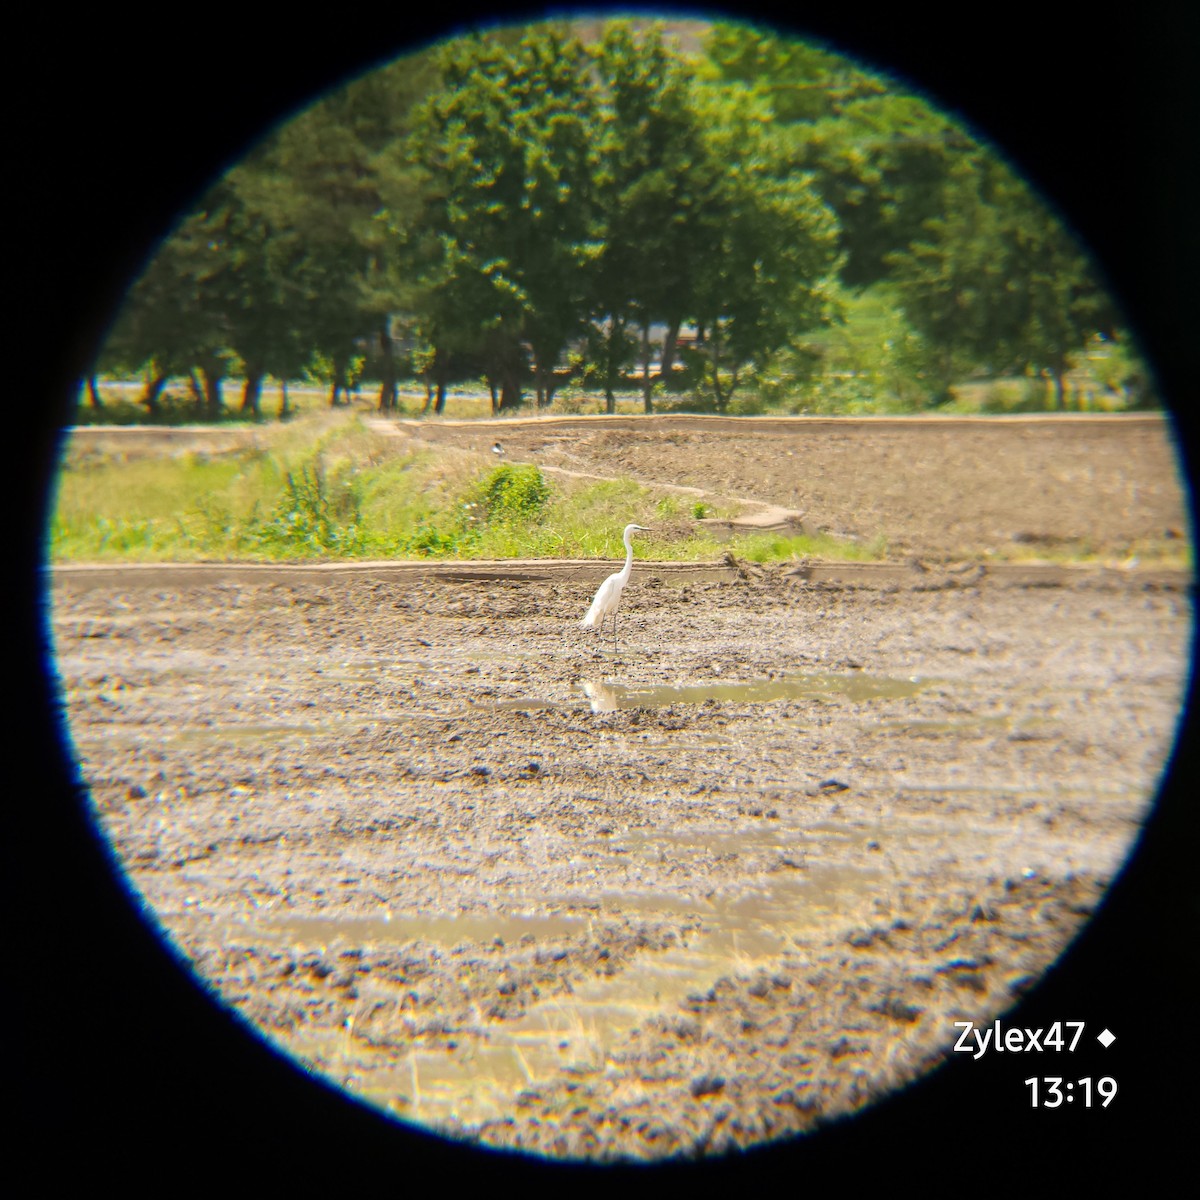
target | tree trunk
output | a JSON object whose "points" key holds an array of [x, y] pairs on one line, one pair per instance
{"points": [[284, 412], [543, 373], [616, 335], [1060, 389], [214, 405], [714, 357], [669, 348], [388, 401], [155, 382], [94, 394], [252, 393], [647, 402], [717, 390], [508, 372], [510, 391], [610, 371], [197, 391]]}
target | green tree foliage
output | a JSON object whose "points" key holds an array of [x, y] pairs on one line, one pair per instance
{"points": [[178, 318], [799, 81], [506, 144], [996, 282], [657, 183], [880, 163], [770, 247], [876, 155], [530, 208]]}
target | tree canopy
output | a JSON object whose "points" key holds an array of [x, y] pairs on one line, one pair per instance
{"points": [[533, 208]]}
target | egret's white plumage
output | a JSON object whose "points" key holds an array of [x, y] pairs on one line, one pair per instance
{"points": [[608, 596]]}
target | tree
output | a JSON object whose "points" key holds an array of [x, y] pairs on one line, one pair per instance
{"points": [[878, 156], [505, 144], [771, 246], [953, 285], [799, 81], [172, 321], [516, 201], [880, 162], [657, 180], [1060, 303], [997, 283]]}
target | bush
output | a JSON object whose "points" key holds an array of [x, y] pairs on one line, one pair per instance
{"points": [[313, 515], [513, 493], [430, 542]]}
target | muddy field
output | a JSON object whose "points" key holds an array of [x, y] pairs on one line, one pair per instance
{"points": [[733, 879], [716, 886]]}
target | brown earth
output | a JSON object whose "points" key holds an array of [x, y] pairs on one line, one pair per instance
{"points": [[940, 487], [731, 879]]}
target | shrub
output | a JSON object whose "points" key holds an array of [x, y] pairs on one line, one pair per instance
{"points": [[512, 492], [313, 514]]}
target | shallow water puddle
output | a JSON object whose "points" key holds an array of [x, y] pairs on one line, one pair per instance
{"points": [[604, 696], [388, 930], [250, 733], [370, 670], [479, 1074], [482, 1073], [577, 1032], [739, 934]]}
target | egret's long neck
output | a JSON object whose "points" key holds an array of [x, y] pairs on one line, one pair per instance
{"points": [[628, 558]]}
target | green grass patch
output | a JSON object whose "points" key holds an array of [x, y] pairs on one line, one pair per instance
{"points": [[1172, 553], [771, 547], [328, 486]]}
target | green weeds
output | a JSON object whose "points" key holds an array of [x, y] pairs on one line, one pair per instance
{"points": [[329, 486], [312, 516]]}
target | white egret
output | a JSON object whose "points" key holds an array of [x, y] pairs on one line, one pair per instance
{"points": [[608, 596]]}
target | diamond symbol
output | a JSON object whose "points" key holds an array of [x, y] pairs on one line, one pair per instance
{"points": [[1106, 1039]]}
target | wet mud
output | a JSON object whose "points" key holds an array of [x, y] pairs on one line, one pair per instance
{"points": [[717, 886]]}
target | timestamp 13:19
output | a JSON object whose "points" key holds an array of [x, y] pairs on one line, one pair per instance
{"points": [[1053, 1091]]}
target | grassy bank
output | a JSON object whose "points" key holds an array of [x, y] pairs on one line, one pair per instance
{"points": [[327, 486]]}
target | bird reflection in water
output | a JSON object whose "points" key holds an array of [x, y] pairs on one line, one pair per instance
{"points": [[600, 696]]}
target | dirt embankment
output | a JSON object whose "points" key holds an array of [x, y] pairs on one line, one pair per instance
{"points": [[938, 487]]}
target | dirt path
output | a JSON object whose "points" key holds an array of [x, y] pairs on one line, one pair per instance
{"points": [[938, 487], [736, 878]]}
